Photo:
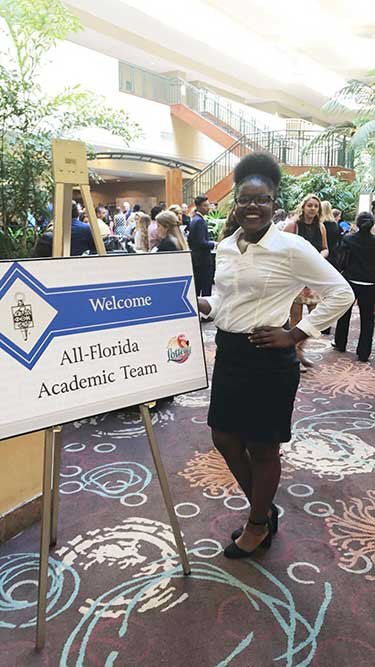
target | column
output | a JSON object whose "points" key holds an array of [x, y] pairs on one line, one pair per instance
{"points": [[173, 187]]}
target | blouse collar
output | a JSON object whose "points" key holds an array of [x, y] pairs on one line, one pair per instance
{"points": [[264, 242]]}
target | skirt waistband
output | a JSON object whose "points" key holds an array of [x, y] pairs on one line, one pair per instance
{"points": [[237, 345]]}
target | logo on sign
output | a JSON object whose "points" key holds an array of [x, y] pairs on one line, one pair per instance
{"points": [[178, 349], [22, 315]]}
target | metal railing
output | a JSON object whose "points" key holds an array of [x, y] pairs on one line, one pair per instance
{"points": [[289, 147], [171, 90], [214, 172]]}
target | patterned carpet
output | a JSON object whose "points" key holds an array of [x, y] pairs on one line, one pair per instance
{"points": [[117, 595]]}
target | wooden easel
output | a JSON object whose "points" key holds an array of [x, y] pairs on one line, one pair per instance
{"points": [[69, 170]]}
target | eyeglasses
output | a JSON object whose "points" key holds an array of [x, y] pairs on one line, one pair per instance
{"points": [[259, 200]]}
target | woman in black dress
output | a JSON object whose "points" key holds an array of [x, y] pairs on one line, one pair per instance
{"points": [[332, 231], [260, 270], [309, 225]]}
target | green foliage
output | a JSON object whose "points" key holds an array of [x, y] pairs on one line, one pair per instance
{"points": [[357, 101], [339, 192], [215, 226], [29, 119], [216, 215]]}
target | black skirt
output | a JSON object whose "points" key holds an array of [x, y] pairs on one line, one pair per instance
{"points": [[253, 389]]}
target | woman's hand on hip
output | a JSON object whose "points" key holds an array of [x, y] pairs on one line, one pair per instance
{"points": [[203, 306], [272, 337]]}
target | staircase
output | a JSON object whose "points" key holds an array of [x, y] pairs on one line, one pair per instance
{"points": [[216, 178], [211, 114]]}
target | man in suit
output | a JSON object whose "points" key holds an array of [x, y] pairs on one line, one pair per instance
{"points": [[201, 247]]}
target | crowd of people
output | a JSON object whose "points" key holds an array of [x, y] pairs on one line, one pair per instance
{"points": [[350, 248], [164, 229]]}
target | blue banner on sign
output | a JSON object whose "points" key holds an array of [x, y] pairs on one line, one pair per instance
{"points": [[83, 308]]}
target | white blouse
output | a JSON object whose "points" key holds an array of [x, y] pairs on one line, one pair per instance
{"points": [[258, 287]]}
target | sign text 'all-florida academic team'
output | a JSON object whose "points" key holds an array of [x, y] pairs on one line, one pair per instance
{"points": [[79, 354]]}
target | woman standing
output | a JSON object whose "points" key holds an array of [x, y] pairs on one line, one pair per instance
{"points": [[177, 210], [332, 230], [309, 225], [260, 271], [141, 233], [359, 270], [169, 233]]}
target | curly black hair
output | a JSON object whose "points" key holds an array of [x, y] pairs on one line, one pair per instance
{"points": [[263, 165]]}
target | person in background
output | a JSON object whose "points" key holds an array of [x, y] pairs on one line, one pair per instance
{"points": [[359, 270], [101, 214], [81, 237], [84, 217], [201, 247], [333, 238], [291, 217], [119, 222], [309, 225], [177, 210], [279, 216], [153, 238], [170, 234], [260, 270], [126, 209], [131, 222], [344, 226], [163, 205], [332, 230], [141, 233], [108, 219], [132, 216], [185, 218]]}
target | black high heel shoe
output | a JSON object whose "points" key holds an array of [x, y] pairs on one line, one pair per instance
{"points": [[274, 520], [234, 551]]}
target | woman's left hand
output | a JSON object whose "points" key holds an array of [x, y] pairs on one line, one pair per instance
{"points": [[271, 337]]}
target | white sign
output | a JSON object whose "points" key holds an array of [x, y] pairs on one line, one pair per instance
{"points": [[85, 335], [364, 203]]}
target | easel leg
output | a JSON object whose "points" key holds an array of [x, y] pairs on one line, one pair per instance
{"points": [[89, 206], [44, 541], [55, 484], [145, 413]]}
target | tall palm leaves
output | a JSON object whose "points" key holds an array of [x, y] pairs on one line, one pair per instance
{"points": [[355, 100]]}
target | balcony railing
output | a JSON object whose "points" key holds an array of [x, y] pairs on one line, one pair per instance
{"points": [[221, 167], [289, 147], [168, 90]]}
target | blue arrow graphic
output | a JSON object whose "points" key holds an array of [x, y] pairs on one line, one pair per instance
{"points": [[97, 307]]}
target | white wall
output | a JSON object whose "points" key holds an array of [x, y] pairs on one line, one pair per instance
{"points": [[70, 64]]}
